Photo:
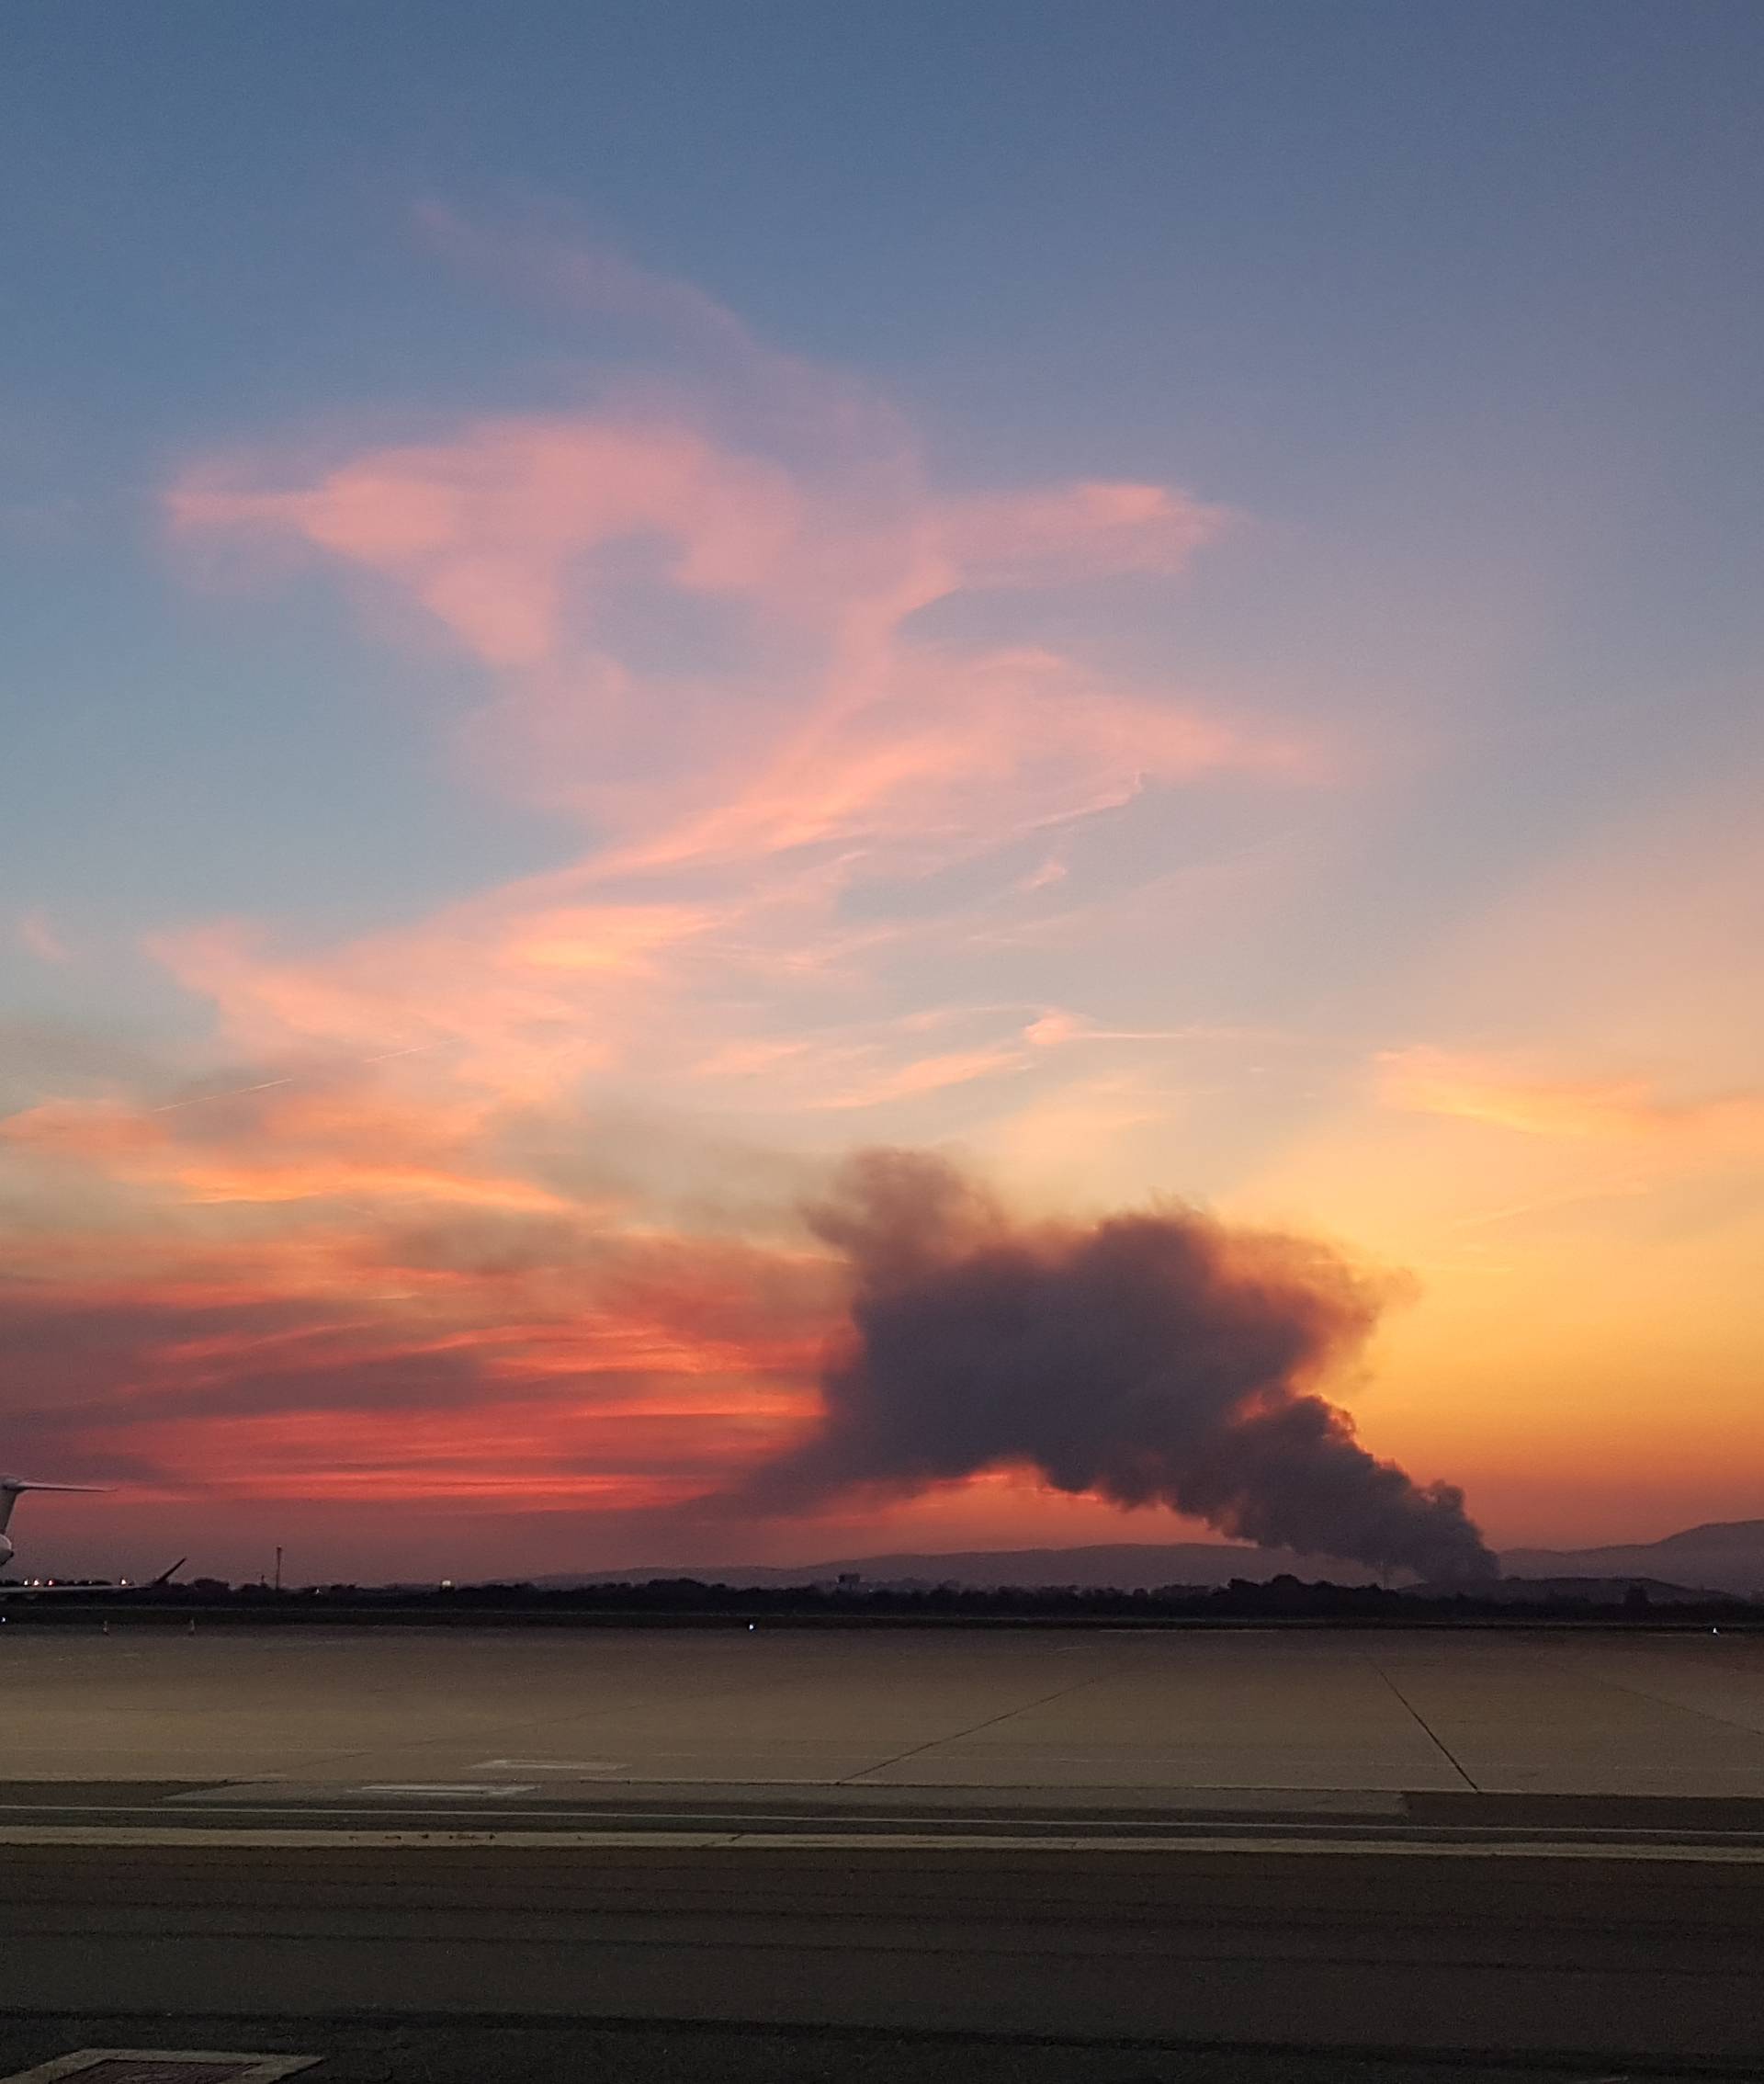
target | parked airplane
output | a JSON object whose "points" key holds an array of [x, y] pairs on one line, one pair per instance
{"points": [[53, 1588], [11, 1490]]}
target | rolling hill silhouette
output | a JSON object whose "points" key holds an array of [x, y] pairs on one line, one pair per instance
{"points": [[1725, 1556]]}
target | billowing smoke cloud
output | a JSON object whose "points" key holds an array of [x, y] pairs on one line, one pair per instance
{"points": [[1152, 1359]]}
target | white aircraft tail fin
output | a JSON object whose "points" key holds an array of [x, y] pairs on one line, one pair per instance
{"points": [[13, 1487]]}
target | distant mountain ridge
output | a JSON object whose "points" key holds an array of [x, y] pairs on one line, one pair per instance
{"points": [[1595, 1592], [1724, 1556]]}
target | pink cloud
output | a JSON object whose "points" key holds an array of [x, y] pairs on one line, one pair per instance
{"points": [[739, 800], [487, 531], [1085, 530], [521, 992], [598, 280], [1058, 1026], [40, 936], [958, 754]]}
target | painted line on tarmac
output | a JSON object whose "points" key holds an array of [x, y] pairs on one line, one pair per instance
{"points": [[847, 1842], [588, 1769], [468, 1790]]}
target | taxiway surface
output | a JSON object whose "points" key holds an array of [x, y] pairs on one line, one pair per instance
{"points": [[1348, 1712]]}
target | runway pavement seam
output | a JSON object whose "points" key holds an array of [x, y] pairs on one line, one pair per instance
{"points": [[1426, 1728], [956, 1736], [1609, 1850], [589, 1894], [348, 1907], [884, 1829], [946, 1945], [1662, 1700]]}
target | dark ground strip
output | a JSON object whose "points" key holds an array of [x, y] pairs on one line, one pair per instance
{"points": [[1634, 1963], [1441, 1818], [486, 2051]]}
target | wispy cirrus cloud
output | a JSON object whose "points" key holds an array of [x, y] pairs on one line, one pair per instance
{"points": [[37, 932], [1094, 529], [501, 532], [696, 616], [1507, 1097]]}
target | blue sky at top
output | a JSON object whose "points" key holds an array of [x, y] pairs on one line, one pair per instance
{"points": [[1460, 304]]}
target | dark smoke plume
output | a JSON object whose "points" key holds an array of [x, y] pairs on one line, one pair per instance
{"points": [[1155, 1359]]}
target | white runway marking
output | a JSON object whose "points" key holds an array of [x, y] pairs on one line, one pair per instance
{"points": [[476, 1788], [586, 1768], [139, 2064]]}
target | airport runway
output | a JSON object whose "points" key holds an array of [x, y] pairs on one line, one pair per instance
{"points": [[1505, 1847]]}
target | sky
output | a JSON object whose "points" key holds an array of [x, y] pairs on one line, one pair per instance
{"points": [[603, 608]]}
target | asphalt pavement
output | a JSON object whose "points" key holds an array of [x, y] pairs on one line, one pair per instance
{"points": [[477, 2051], [1247, 1931], [1404, 1710]]}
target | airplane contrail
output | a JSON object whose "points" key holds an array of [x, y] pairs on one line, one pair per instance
{"points": [[231, 1092], [268, 1084]]}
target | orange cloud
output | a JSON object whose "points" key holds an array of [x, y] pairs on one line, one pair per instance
{"points": [[298, 1150], [521, 992], [1437, 1083], [529, 1456], [471, 1355], [923, 1074]]}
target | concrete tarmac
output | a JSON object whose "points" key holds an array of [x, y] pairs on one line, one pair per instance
{"points": [[1348, 1712]]}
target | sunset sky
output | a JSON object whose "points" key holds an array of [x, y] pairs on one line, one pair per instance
{"points": [[601, 606]]}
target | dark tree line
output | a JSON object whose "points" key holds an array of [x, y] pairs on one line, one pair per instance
{"points": [[692, 1600]]}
